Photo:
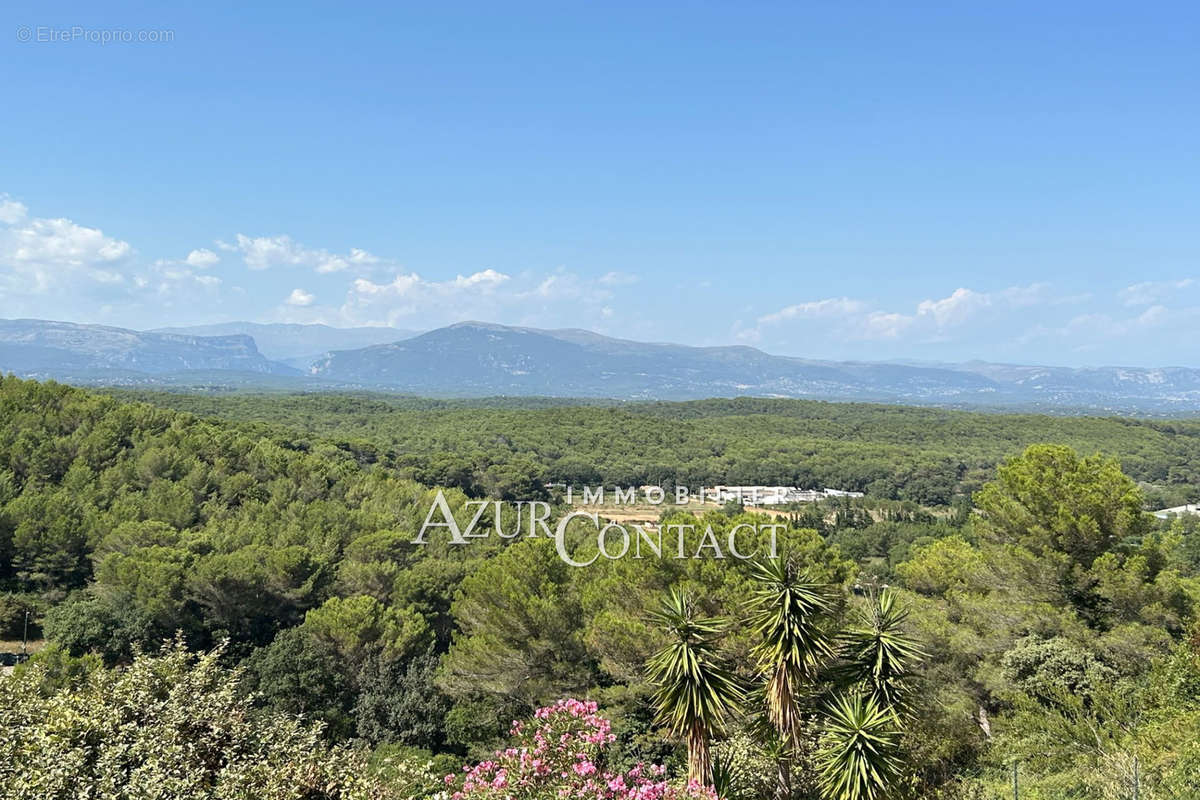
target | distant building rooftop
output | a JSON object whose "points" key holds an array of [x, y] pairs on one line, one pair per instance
{"points": [[1190, 508], [771, 495]]}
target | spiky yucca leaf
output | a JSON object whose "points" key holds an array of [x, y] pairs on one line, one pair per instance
{"points": [[880, 654], [786, 608], [695, 692], [858, 759]]}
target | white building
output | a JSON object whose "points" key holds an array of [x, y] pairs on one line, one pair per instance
{"points": [[1167, 513], [771, 495]]}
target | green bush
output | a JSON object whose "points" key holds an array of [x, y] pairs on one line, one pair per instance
{"points": [[174, 725]]}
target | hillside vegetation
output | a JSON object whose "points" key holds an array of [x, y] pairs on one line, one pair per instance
{"points": [[500, 448], [1048, 622]]}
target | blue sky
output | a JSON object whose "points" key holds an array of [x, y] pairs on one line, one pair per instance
{"points": [[862, 180]]}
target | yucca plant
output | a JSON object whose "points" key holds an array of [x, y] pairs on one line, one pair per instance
{"points": [[858, 759], [724, 777], [695, 693], [786, 609], [879, 655]]}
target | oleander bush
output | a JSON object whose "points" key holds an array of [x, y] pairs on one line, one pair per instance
{"points": [[561, 753]]}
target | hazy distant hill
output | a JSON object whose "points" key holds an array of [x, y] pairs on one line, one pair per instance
{"points": [[298, 345], [475, 359], [478, 358], [92, 353]]}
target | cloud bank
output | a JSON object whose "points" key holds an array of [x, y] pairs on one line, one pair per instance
{"points": [[57, 268]]}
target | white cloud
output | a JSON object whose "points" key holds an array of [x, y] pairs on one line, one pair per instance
{"points": [[60, 242], [11, 211], [42, 254], [299, 297], [527, 298], [82, 268], [268, 251], [1087, 331], [201, 258], [1154, 315], [550, 286], [264, 252], [488, 277], [400, 287], [830, 307], [1035, 294], [1149, 292], [617, 278], [956, 309], [176, 280], [359, 256], [411, 284], [930, 320], [106, 276], [885, 325]]}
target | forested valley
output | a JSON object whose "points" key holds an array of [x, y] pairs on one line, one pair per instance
{"points": [[508, 447], [228, 602]]}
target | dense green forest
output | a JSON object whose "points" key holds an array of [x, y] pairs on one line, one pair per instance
{"points": [[504, 447], [1045, 623]]}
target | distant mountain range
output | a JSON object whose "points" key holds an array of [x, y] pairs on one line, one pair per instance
{"points": [[480, 359], [474, 358], [297, 345], [65, 350]]}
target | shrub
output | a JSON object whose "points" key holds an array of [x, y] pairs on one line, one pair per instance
{"points": [[560, 753], [173, 725]]}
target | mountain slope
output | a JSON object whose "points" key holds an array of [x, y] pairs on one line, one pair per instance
{"points": [[480, 359], [67, 350], [474, 358], [298, 345]]}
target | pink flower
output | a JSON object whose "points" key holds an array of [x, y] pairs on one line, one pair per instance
{"points": [[531, 767]]}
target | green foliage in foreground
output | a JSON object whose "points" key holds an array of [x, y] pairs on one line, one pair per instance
{"points": [[852, 696], [1058, 621], [173, 726], [696, 693], [859, 761]]}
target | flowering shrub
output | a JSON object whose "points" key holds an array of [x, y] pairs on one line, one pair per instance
{"points": [[556, 755]]}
